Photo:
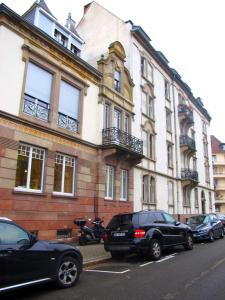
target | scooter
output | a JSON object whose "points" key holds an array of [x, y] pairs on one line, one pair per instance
{"points": [[89, 235]]}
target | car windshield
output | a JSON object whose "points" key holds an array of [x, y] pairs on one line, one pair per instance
{"points": [[198, 220], [120, 220]]}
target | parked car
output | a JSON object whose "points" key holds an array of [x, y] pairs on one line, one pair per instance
{"points": [[145, 232], [206, 227], [221, 217], [25, 260]]}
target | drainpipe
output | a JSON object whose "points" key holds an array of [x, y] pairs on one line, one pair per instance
{"points": [[176, 150]]}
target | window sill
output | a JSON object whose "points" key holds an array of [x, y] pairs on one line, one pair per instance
{"points": [[146, 79], [109, 199], [123, 200], [62, 195], [29, 192], [148, 117]]}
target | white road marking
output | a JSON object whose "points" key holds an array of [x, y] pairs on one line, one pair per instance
{"points": [[148, 263], [110, 272], [165, 258]]}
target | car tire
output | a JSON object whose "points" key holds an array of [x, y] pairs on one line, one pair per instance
{"points": [[155, 249], [68, 272], [189, 244], [211, 236], [117, 255]]}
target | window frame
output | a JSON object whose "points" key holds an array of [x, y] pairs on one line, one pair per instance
{"points": [[168, 120], [62, 181], [122, 188], [169, 155], [148, 189], [107, 182], [28, 189], [117, 81], [167, 89]]}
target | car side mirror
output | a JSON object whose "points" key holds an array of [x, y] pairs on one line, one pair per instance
{"points": [[177, 223]]}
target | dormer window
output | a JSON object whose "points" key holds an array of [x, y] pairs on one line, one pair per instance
{"points": [[117, 80], [62, 39], [74, 49]]}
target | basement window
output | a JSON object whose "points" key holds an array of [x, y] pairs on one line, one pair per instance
{"points": [[64, 233]]}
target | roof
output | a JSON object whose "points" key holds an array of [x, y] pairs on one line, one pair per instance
{"points": [[41, 4], [10, 13], [216, 145]]}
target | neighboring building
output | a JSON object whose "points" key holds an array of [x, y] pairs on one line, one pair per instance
{"points": [[218, 156], [176, 173]]}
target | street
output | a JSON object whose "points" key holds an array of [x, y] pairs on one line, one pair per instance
{"points": [[178, 275]]}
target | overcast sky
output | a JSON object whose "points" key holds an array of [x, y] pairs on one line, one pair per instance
{"points": [[190, 33]]}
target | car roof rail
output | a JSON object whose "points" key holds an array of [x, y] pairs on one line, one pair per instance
{"points": [[5, 219]]}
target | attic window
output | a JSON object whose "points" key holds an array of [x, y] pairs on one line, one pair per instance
{"points": [[62, 39], [117, 80], [74, 49]]}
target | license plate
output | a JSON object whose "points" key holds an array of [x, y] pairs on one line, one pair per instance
{"points": [[119, 234]]}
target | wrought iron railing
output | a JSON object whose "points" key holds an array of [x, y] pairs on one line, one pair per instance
{"points": [[189, 174], [36, 108], [67, 122], [184, 109], [115, 136], [185, 140]]}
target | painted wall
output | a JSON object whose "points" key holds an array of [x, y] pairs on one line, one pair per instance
{"points": [[11, 71]]}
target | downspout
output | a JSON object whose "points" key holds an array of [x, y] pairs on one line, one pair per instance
{"points": [[176, 151]]}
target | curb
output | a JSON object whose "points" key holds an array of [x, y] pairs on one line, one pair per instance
{"points": [[92, 263]]}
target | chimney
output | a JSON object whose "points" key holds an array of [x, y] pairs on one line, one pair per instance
{"points": [[70, 24], [86, 7]]}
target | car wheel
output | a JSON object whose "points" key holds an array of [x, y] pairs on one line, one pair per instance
{"points": [[155, 250], [68, 272], [117, 255], [211, 236], [222, 234], [189, 244]]}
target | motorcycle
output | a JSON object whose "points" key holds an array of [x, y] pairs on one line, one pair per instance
{"points": [[89, 235]]}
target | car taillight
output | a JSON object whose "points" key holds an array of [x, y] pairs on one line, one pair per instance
{"points": [[139, 233]]}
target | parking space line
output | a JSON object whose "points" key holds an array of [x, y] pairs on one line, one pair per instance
{"points": [[148, 263], [110, 272], [165, 258]]}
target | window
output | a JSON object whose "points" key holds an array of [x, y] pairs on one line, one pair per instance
{"points": [[126, 124], [170, 155], [149, 189], [109, 185], [170, 194], [61, 38], [37, 97], [148, 105], [117, 80], [168, 120], [167, 90], [146, 69], [74, 49], [148, 144], [151, 146], [214, 158], [196, 198], [69, 105], [150, 72], [64, 176], [143, 66], [106, 116], [204, 127], [13, 235], [64, 233], [207, 179], [124, 185], [30, 168], [117, 118], [169, 219]]}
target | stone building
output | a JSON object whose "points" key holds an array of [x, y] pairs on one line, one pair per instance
{"points": [[218, 156], [176, 172]]}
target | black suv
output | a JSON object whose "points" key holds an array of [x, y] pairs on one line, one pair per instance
{"points": [[145, 232], [24, 260]]}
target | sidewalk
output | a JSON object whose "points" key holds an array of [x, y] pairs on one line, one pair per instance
{"points": [[93, 253]]}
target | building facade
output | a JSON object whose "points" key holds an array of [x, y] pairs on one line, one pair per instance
{"points": [[218, 156], [176, 172]]}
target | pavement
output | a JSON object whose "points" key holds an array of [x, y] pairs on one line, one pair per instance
{"points": [[93, 254]]}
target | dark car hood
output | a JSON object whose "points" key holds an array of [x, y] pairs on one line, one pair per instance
{"points": [[198, 226]]}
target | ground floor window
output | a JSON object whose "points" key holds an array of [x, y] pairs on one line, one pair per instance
{"points": [[124, 185], [109, 183], [30, 168], [64, 175]]}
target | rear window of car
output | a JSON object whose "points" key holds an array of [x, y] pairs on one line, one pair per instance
{"points": [[120, 220]]}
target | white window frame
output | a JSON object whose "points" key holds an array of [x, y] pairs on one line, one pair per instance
{"points": [[107, 183], [124, 173], [168, 120], [167, 89], [63, 176], [27, 189], [170, 155], [149, 190]]}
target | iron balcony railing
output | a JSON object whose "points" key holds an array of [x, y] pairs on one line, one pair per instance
{"points": [[115, 136], [36, 108], [185, 140], [184, 109], [67, 122], [189, 174]]}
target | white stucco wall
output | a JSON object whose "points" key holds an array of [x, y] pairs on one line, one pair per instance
{"points": [[11, 70]]}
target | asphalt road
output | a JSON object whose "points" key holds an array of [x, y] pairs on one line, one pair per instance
{"points": [[179, 275]]}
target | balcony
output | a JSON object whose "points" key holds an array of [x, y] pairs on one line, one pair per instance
{"points": [[187, 144], [189, 177], [67, 122], [36, 108], [123, 142], [185, 114]]}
